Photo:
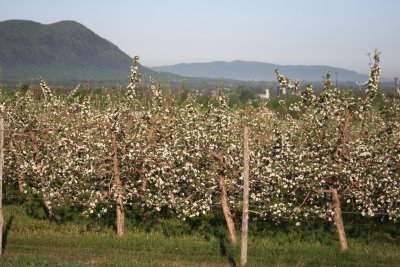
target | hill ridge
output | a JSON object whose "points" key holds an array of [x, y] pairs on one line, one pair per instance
{"points": [[256, 70]]}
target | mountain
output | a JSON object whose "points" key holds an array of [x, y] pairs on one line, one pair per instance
{"points": [[68, 51], [61, 51], [246, 71]]}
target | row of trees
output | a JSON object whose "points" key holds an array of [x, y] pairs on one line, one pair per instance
{"points": [[102, 153]]}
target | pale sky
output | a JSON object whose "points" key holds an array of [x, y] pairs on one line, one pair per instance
{"points": [[309, 32]]}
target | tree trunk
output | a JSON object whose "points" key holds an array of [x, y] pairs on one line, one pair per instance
{"points": [[142, 208], [227, 212], [47, 206], [1, 183], [18, 163], [45, 198], [338, 219], [20, 178], [120, 220]]}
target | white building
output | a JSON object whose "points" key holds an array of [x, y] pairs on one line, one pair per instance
{"points": [[266, 96], [280, 91]]}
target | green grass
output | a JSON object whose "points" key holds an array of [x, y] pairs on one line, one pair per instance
{"points": [[34, 242]]}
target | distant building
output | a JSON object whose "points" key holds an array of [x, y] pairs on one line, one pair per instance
{"points": [[280, 91], [266, 96]]}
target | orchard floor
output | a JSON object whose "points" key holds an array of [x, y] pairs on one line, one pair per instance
{"points": [[33, 242]]}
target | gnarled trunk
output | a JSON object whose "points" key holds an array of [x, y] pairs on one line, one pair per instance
{"points": [[338, 219], [45, 198], [120, 215], [227, 212], [224, 196], [142, 208], [20, 175], [1, 183], [47, 206]]}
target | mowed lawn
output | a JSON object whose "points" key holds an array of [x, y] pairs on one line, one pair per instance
{"points": [[33, 242]]}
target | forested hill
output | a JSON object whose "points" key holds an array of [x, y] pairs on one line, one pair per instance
{"points": [[60, 51], [246, 70]]}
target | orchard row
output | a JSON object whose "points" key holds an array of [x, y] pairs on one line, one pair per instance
{"points": [[328, 151]]}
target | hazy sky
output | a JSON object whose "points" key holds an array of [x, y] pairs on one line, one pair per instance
{"points": [[338, 33]]}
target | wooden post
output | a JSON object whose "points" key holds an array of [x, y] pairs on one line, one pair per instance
{"points": [[245, 215], [1, 183]]}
